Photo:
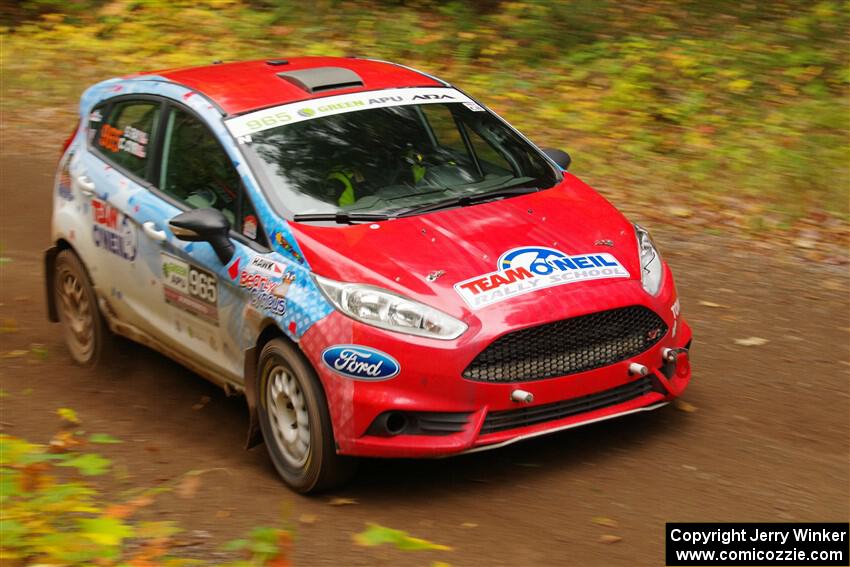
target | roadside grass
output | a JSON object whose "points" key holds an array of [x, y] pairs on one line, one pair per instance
{"points": [[731, 118]]}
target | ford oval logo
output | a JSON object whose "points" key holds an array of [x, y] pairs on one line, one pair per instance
{"points": [[359, 362]]}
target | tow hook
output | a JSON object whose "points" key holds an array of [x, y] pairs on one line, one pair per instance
{"points": [[521, 396]]}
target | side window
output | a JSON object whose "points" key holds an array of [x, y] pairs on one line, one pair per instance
{"points": [[124, 136], [196, 171]]}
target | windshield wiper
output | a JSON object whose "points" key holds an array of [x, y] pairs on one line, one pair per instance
{"points": [[466, 200], [341, 217]]}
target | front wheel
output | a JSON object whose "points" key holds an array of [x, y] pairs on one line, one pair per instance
{"points": [[296, 424]]}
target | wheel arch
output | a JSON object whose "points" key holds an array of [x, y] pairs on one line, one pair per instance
{"points": [[270, 331]]}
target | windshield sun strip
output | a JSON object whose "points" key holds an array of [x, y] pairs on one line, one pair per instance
{"points": [[243, 126]]}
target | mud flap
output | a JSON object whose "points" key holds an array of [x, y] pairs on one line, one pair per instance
{"points": [[255, 436], [49, 271]]}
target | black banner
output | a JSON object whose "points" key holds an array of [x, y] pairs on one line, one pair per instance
{"points": [[757, 544]]}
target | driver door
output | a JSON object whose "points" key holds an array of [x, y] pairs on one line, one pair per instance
{"points": [[198, 302]]}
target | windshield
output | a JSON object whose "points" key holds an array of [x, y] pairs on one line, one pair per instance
{"points": [[396, 157]]}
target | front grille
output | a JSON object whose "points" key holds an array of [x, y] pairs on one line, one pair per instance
{"points": [[511, 419], [569, 346]]}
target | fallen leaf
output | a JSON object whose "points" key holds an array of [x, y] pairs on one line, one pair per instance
{"points": [[308, 519], [375, 535], [15, 353], [608, 539], [710, 304], [103, 439], [684, 406], [833, 285], [469, 525], [751, 341], [188, 486], [603, 521], [200, 405], [805, 243], [342, 501], [9, 326], [39, 350], [68, 415]]}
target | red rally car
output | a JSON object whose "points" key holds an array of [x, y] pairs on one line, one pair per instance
{"points": [[378, 262]]}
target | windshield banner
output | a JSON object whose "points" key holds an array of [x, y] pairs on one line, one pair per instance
{"points": [[243, 126]]}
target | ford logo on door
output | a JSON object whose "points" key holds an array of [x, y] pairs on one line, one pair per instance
{"points": [[359, 362]]}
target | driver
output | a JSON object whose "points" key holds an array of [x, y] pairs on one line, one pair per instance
{"points": [[345, 184]]}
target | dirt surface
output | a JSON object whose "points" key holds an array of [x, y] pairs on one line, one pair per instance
{"points": [[768, 440]]}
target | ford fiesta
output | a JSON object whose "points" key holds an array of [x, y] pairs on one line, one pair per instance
{"points": [[379, 263]]}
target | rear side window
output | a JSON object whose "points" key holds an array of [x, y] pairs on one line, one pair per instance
{"points": [[125, 136]]}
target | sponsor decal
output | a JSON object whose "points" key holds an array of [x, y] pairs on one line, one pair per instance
{"points": [[360, 363], [267, 293], [64, 185], [190, 288], [249, 227], [261, 265], [284, 243], [675, 310], [530, 268], [473, 107], [241, 126], [131, 140], [113, 230]]}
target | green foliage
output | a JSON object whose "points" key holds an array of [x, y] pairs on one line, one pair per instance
{"points": [[674, 100], [45, 520]]}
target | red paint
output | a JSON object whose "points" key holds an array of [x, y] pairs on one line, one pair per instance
{"points": [[467, 242], [249, 85], [438, 386]]}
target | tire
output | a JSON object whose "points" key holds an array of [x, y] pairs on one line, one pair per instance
{"points": [[296, 424], [86, 334]]}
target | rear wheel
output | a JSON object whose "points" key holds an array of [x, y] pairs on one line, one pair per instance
{"points": [[296, 424], [86, 334]]}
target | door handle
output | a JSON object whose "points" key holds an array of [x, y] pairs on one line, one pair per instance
{"points": [[86, 185], [150, 229]]}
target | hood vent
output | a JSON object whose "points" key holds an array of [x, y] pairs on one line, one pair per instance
{"points": [[322, 79]]}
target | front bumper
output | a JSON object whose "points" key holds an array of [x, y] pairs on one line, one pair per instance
{"points": [[430, 381]]}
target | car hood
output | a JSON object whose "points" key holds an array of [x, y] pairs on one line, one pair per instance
{"points": [[424, 257]]}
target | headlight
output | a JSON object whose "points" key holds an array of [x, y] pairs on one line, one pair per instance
{"points": [[386, 310], [651, 268]]}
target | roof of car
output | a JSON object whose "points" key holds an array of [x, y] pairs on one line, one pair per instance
{"points": [[250, 85]]}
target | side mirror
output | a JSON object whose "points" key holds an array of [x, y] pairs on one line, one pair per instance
{"points": [[205, 225], [560, 157]]}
